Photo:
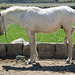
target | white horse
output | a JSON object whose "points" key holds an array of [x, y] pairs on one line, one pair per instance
{"points": [[37, 20]]}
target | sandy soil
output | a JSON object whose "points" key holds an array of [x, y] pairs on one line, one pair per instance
{"points": [[41, 67]]}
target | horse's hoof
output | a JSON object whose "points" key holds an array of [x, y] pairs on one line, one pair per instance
{"points": [[67, 61], [29, 62], [66, 44]]}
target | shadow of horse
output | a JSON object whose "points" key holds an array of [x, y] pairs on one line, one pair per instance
{"points": [[38, 67]]}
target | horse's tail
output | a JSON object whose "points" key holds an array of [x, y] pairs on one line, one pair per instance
{"points": [[73, 30]]}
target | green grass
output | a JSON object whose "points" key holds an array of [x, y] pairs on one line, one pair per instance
{"points": [[15, 31], [52, 37], [1, 9], [4, 5]]}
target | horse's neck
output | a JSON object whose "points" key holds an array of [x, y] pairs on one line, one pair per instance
{"points": [[13, 19]]}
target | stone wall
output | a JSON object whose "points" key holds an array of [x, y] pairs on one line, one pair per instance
{"points": [[45, 50]]}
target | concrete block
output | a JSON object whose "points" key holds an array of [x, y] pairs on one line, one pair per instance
{"points": [[26, 50], [2, 50], [14, 47], [61, 51], [46, 50], [73, 51]]}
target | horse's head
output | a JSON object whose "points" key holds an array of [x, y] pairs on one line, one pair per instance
{"points": [[1, 26]]}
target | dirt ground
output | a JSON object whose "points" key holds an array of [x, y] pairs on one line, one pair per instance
{"points": [[41, 67]]}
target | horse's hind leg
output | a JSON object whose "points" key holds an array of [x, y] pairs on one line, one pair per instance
{"points": [[70, 46], [33, 50], [65, 41]]}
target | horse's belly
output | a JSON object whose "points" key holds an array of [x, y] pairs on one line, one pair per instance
{"points": [[46, 29], [46, 26]]}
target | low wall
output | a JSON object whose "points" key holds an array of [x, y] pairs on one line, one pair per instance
{"points": [[45, 50]]}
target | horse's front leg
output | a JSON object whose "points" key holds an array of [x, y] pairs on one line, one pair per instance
{"points": [[70, 47], [33, 50], [65, 39]]}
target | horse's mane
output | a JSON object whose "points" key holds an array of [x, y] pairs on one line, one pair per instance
{"points": [[17, 8], [23, 8]]}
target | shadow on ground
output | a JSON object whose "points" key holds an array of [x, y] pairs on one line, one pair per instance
{"points": [[38, 67]]}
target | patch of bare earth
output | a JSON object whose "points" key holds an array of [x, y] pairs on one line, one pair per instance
{"points": [[41, 67]]}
